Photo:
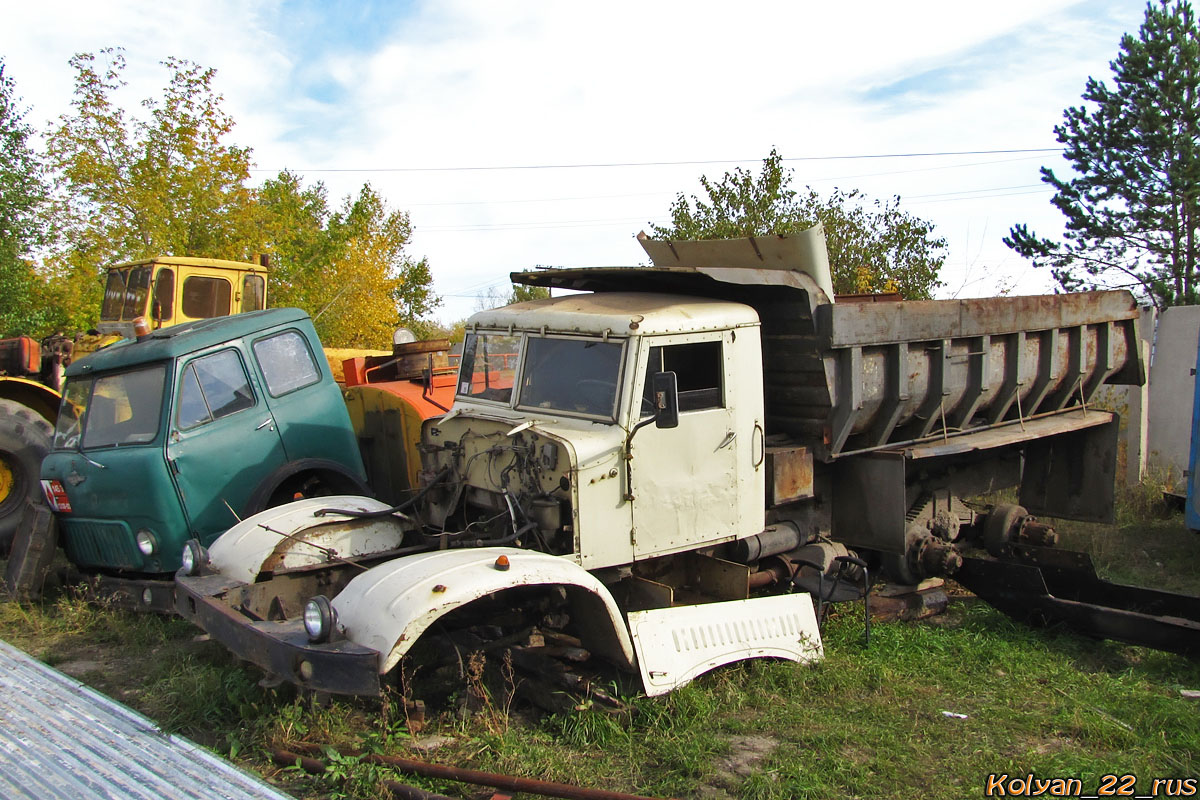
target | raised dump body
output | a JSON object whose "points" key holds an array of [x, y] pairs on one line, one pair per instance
{"points": [[846, 377], [901, 372]]}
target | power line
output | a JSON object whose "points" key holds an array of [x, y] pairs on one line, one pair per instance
{"points": [[607, 165], [923, 199]]}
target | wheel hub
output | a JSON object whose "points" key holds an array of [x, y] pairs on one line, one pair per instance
{"points": [[8, 479]]}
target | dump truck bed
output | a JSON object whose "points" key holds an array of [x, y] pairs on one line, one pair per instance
{"points": [[846, 377]]}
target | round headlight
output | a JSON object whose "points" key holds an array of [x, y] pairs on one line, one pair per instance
{"points": [[319, 618], [194, 556], [146, 542]]}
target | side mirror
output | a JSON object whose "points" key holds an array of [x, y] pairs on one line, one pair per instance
{"points": [[666, 400]]}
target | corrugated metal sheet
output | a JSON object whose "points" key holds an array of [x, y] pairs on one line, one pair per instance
{"points": [[61, 739]]}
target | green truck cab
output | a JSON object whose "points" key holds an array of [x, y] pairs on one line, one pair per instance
{"points": [[182, 432]]}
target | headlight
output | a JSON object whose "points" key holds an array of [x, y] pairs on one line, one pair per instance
{"points": [[319, 619], [146, 542], [194, 557]]}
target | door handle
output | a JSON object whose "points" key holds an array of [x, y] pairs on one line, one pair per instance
{"points": [[728, 440], [762, 445], [265, 423]]}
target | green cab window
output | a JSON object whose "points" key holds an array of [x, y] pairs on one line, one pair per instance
{"points": [[212, 387], [286, 362]]}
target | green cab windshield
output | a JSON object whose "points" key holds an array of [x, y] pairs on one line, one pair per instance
{"points": [[111, 410]]}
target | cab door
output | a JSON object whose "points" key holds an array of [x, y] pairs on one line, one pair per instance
{"points": [[700, 482], [223, 440], [313, 422]]}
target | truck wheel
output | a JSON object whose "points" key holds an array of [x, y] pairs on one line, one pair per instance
{"points": [[25, 439], [305, 478]]}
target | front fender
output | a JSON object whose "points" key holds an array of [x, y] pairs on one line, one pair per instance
{"points": [[292, 536], [388, 607]]}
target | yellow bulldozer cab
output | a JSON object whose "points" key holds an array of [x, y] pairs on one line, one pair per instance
{"points": [[171, 290]]}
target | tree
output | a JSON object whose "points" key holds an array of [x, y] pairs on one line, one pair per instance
{"points": [[163, 184], [873, 245], [495, 296], [347, 268], [521, 293], [294, 229], [23, 195], [1131, 206]]}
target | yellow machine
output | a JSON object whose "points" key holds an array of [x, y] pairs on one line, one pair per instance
{"points": [[163, 291]]}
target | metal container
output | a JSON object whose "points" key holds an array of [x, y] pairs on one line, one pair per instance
{"points": [[876, 374]]}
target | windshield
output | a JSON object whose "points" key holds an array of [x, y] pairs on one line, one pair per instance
{"points": [[576, 376], [489, 366], [137, 289], [114, 296], [115, 410]]}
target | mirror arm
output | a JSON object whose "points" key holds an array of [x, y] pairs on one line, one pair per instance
{"points": [[629, 456]]}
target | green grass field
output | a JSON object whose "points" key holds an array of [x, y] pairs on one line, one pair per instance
{"points": [[867, 722]]}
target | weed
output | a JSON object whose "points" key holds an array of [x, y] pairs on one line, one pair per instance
{"points": [[864, 722]]}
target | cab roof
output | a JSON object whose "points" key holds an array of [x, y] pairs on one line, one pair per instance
{"points": [[619, 313], [189, 261], [178, 340]]}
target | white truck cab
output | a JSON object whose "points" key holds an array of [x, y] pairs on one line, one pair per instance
{"points": [[569, 380]]}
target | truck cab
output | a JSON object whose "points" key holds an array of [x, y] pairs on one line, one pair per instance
{"points": [[171, 290], [164, 291], [553, 413], [180, 433]]}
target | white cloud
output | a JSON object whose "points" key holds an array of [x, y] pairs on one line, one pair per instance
{"points": [[463, 83]]}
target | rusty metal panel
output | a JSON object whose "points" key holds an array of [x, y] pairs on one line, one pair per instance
{"points": [[790, 473], [60, 739], [1072, 475], [1012, 433], [847, 324], [869, 501], [802, 252]]}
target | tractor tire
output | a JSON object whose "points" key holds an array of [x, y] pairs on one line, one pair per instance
{"points": [[25, 439]]}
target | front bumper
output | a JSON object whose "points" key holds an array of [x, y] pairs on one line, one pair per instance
{"points": [[132, 594], [282, 649]]}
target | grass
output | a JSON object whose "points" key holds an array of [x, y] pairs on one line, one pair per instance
{"points": [[868, 721], [1148, 545]]}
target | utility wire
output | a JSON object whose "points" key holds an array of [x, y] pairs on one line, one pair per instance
{"points": [[606, 165]]}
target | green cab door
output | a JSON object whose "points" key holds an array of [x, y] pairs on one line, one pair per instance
{"points": [[223, 440], [314, 423]]}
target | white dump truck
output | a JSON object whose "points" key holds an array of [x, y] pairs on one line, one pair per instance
{"points": [[671, 466]]}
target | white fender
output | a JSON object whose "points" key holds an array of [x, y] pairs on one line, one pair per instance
{"points": [[291, 536], [388, 607]]}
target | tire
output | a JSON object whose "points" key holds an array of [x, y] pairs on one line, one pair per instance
{"points": [[309, 477], [25, 438]]}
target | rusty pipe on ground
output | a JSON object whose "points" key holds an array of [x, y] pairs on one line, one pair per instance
{"points": [[493, 779], [286, 758]]}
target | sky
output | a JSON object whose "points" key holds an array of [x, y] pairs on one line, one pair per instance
{"points": [[541, 133]]}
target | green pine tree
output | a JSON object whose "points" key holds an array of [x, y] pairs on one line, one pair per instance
{"points": [[1131, 204]]}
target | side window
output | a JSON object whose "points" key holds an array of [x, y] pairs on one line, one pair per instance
{"points": [[162, 306], [212, 387], [697, 368], [254, 290], [205, 297], [286, 362]]}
